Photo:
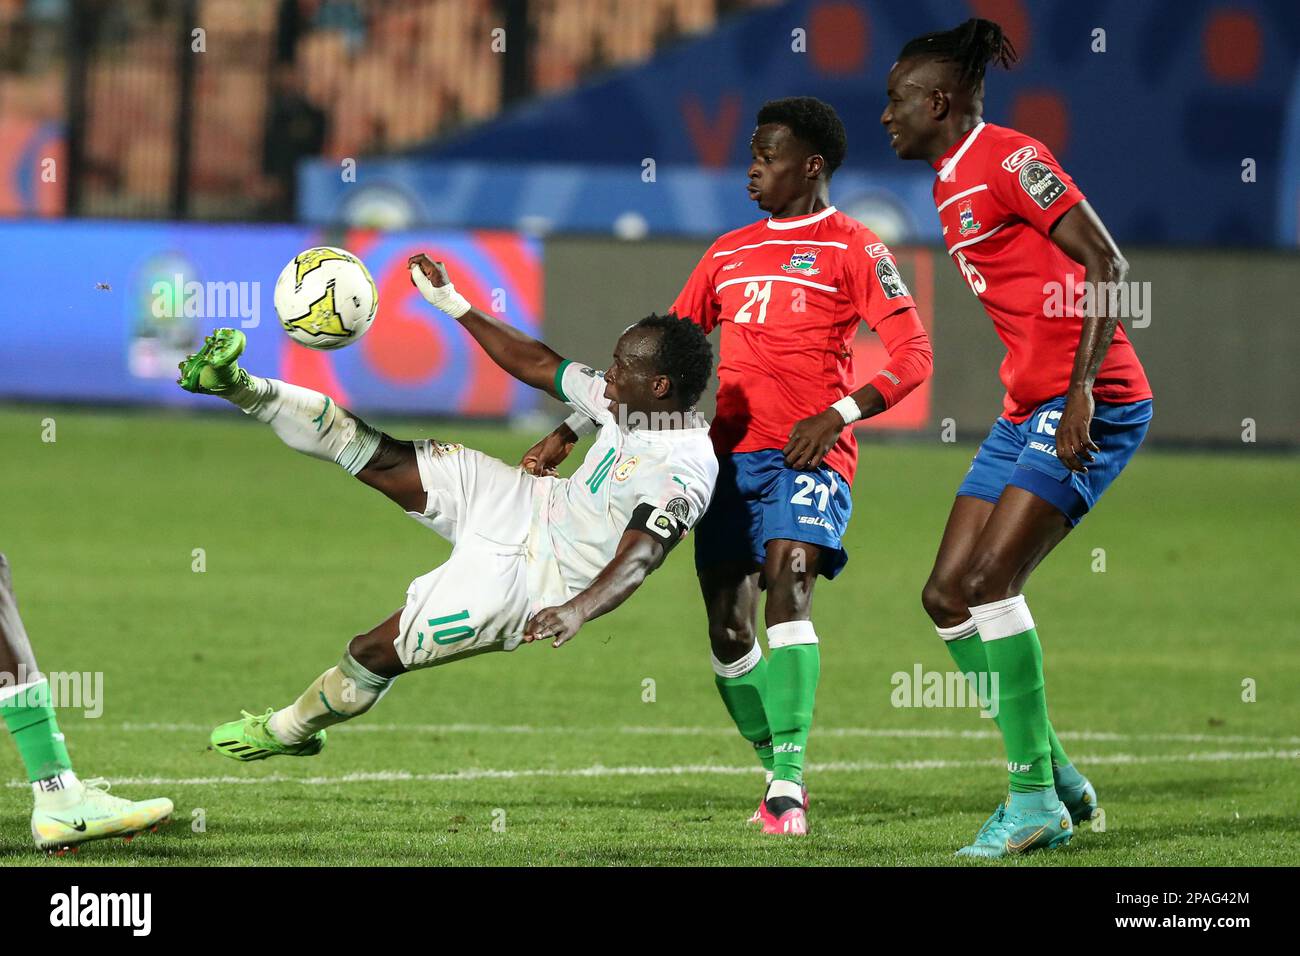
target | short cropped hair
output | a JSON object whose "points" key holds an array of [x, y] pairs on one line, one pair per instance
{"points": [[684, 355]]}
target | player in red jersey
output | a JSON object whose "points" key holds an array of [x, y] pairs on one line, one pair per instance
{"points": [[1077, 401], [788, 293]]}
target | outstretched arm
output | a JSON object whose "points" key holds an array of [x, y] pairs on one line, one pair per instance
{"points": [[530, 361], [638, 554], [650, 535], [1082, 236]]}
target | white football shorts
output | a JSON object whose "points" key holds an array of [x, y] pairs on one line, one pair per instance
{"points": [[478, 600]]}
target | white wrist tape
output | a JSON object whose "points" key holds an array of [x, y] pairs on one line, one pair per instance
{"points": [[444, 297], [848, 409], [580, 424]]}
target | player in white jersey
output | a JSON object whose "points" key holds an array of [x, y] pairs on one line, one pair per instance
{"points": [[534, 558]]}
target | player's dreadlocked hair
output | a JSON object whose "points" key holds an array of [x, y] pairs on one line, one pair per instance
{"points": [[685, 355], [972, 46], [814, 122]]}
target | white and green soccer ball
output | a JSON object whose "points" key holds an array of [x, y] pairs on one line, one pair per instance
{"points": [[325, 298]]}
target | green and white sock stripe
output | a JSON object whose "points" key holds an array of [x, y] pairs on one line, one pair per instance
{"points": [[1002, 619], [365, 678], [357, 453], [742, 684], [793, 673], [1014, 653], [740, 667]]}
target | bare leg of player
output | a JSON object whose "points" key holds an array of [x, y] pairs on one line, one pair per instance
{"points": [[730, 591], [987, 554], [945, 602]]}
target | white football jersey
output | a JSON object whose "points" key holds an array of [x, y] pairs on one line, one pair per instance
{"points": [[578, 521]]}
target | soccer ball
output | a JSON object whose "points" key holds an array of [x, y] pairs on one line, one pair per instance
{"points": [[325, 298]]}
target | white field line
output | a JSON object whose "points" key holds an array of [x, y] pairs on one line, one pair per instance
{"points": [[669, 731], [598, 770]]}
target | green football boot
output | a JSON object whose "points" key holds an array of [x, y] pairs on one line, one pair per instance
{"points": [[249, 738], [1012, 830], [97, 816], [213, 370]]}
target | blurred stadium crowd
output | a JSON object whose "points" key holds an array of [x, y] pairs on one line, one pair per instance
{"points": [[280, 80]]}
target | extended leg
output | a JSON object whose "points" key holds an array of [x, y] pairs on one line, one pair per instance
{"points": [[1021, 529], [307, 421], [348, 689]]}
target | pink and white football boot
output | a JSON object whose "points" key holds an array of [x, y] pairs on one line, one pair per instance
{"points": [[772, 824]]}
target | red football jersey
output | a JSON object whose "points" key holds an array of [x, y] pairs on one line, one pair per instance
{"points": [[999, 192], [789, 294]]}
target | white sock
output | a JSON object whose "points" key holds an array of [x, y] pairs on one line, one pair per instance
{"points": [[959, 633], [785, 788], [740, 667], [1002, 618], [58, 792], [309, 422], [344, 691]]}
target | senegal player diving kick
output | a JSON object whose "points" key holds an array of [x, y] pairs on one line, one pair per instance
{"points": [[534, 557], [1077, 402]]}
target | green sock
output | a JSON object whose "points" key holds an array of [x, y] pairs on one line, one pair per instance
{"points": [[1016, 657], [969, 655], [30, 720], [743, 696], [1059, 759], [791, 692]]}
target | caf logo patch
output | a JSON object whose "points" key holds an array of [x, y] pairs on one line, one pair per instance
{"points": [[1043, 186], [624, 471], [890, 281], [680, 509]]}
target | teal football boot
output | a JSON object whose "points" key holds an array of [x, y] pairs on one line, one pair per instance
{"points": [[1012, 830], [1079, 798]]}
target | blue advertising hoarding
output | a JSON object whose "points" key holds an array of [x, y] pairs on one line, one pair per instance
{"points": [[107, 309]]}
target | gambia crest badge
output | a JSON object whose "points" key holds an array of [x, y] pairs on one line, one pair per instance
{"points": [[802, 262], [966, 218]]}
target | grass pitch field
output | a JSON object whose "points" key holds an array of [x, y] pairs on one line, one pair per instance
{"points": [[1145, 668]]}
